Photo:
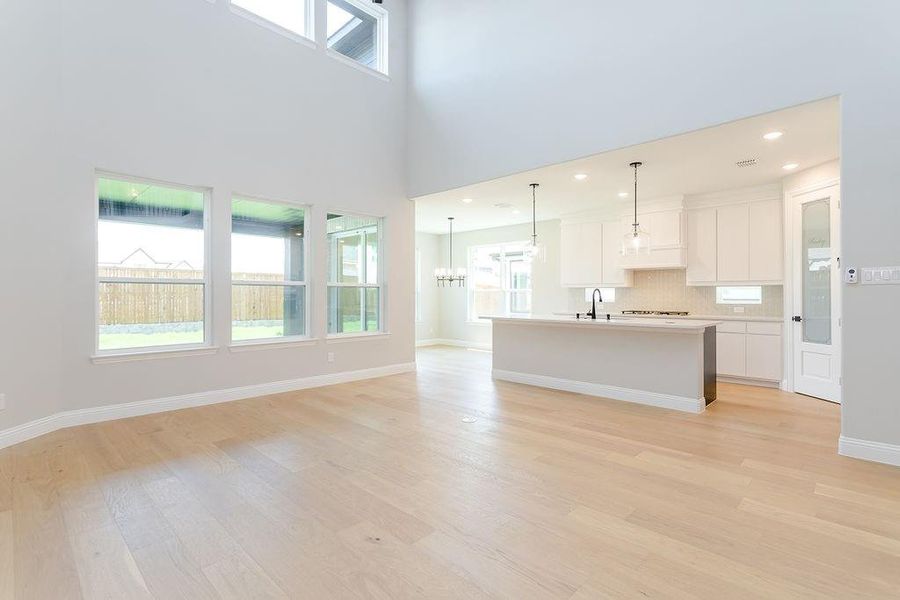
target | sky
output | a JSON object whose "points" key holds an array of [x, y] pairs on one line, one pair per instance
{"points": [[250, 253]]}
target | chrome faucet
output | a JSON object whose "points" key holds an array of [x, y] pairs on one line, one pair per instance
{"points": [[597, 294]]}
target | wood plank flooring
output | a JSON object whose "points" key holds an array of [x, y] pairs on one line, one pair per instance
{"points": [[380, 489]]}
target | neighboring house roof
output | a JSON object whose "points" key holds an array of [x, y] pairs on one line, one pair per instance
{"points": [[140, 258]]}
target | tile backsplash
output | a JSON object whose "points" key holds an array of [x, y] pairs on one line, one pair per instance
{"points": [[667, 290]]}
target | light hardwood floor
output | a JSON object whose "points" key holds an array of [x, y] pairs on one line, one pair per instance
{"points": [[380, 489]]}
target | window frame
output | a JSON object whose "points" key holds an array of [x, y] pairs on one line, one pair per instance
{"points": [[720, 300], [505, 278], [382, 61], [380, 285], [307, 38], [206, 282], [286, 339]]}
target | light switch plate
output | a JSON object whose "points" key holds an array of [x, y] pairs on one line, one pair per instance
{"points": [[881, 276]]}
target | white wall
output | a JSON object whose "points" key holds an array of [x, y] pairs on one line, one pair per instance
{"points": [[501, 87], [428, 327], [188, 92], [31, 314]]}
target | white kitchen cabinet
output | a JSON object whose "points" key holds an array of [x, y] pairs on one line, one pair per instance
{"points": [[736, 244], [580, 260], [731, 354], [665, 229], [667, 240], [733, 243], [614, 275], [701, 247], [764, 357], [766, 241], [749, 350]]}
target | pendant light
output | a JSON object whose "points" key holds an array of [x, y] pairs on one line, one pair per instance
{"points": [[534, 251], [637, 241], [448, 276]]}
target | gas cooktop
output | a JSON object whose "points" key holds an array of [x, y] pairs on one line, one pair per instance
{"points": [[667, 313]]}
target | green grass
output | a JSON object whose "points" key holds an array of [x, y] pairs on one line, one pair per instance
{"points": [[117, 341]]}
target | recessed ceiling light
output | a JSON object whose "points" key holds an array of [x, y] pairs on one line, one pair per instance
{"points": [[467, 201], [773, 135], [790, 166], [623, 194], [516, 211], [581, 176]]}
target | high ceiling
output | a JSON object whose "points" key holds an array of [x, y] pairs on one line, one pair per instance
{"points": [[692, 163]]}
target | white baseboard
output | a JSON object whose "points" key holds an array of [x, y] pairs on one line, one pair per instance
{"points": [[749, 381], [455, 343], [888, 454], [682, 403], [84, 416]]}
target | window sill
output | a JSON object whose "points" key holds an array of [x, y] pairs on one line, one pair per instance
{"points": [[337, 338], [154, 354], [482, 322], [271, 344], [359, 67]]}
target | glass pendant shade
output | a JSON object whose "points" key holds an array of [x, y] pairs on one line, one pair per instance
{"points": [[635, 242], [536, 252]]}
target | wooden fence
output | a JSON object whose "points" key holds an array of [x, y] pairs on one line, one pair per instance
{"points": [[131, 303]]}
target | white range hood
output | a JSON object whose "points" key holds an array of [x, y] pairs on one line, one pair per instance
{"points": [[664, 219]]}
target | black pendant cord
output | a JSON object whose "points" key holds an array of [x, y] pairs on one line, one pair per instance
{"points": [[534, 213], [636, 165]]}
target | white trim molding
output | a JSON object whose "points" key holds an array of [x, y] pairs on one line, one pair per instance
{"points": [[881, 452], [454, 343], [682, 403], [85, 416]]}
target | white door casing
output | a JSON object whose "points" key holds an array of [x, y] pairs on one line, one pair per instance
{"points": [[817, 294]]}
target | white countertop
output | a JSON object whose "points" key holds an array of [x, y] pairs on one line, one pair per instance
{"points": [[616, 322], [734, 317]]}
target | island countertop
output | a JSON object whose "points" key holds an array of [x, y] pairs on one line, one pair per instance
{"points": [[618, 323]]}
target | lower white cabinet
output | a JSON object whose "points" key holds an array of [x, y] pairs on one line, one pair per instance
{"points": [[731, 354], [750, 350]]}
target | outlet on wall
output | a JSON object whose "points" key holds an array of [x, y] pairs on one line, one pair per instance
{"points": [[738, 309], [331, 357]]}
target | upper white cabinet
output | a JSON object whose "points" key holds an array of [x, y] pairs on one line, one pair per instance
{"points": [[702, 258], [580, 257], [766, 241], [590, 255], [614, 274], [667, 240], [737, 243], [733, 243]]}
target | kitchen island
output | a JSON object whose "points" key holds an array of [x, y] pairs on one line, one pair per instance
{"points": [[670, 363]]}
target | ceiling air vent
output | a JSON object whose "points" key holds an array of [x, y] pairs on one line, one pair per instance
{"points": [[747, 162]]}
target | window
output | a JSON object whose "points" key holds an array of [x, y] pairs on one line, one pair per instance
{"points": [[354, 274], [268, 274], [294, 16], [151, 265], [418, 285], [500, 281], [740, 294], [608, 294], [358, 30]]}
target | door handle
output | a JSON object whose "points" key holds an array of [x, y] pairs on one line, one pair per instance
{"points": [[796, 318]]}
